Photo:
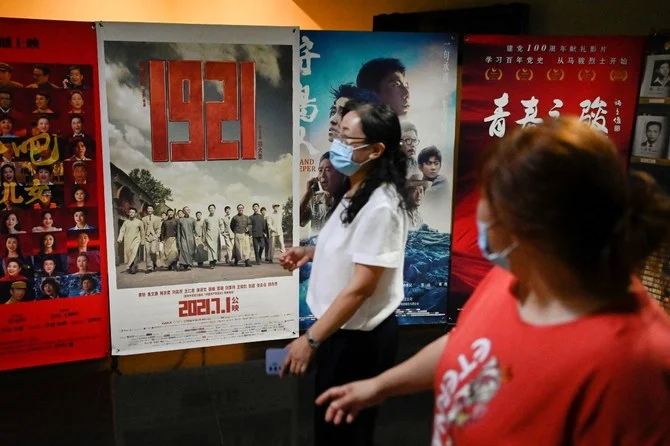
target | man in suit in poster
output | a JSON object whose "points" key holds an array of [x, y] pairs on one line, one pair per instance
{"points": [[152, 231], [651, 147], [663, 77]]}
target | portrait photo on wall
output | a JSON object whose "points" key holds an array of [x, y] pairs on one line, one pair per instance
{"points": [[656, 82], [186, 214], [46, 111], [651, 137]]}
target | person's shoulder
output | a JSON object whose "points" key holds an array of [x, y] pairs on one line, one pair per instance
{"points": [[385, 196], [439, 179], [497, 281], [635, 344]]}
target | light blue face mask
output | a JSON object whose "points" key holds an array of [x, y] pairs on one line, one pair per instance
{"points": [[341, 158], [497, 258]]}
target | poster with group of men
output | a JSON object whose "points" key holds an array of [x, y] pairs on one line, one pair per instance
{"points": [[200, 153]]}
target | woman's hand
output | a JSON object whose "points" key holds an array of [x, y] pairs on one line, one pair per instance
{"points": [[348, 400], [296, 257], [299, 355]]}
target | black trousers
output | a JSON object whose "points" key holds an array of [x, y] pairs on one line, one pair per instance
{"points": [[352, 355], [259, 246]]}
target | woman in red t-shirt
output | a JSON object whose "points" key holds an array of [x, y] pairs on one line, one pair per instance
{"points": [[559, 344]]}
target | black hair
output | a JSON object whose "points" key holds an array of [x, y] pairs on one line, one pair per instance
{"points": [[263, 209], [45, 94], [132, 209], [45, 212], [54, 283], [46, 70], [80, 117], [3, 229], [90, 278], [650, 123], [42, 116], [18, 245], [211, 206], [47, 167], [426, 154], [354, 93], [74, 143], [43, 238], [74, 67], [8, 117], [77, 189], [14, 260], [255, 204], [240, 205], [226, 208], [380, 125], [373, 71]]}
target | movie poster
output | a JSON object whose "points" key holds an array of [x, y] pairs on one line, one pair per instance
{"points": [[516, 81], [200, 140], [651, 151], [415, 74], [53, 291]]}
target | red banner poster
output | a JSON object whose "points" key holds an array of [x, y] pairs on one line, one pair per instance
{"points": [[53, 281], [515, 81]]}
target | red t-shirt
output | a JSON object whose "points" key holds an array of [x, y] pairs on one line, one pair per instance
{"points": [[603, 379]]}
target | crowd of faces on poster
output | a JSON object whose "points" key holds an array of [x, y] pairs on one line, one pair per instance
{"points": [[651, 150], [49, 244]]}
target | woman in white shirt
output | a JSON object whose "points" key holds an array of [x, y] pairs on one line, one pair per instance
{"points": [[356, 282]]}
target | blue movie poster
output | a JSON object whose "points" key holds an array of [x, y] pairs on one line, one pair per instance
{"points": [[415, 74]]}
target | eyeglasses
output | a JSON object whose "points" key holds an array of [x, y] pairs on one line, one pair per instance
{"points": [[410, 141], [345, 139]]}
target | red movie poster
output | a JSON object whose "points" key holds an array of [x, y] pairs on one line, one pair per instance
{"points": [[516, 81], [53, 280]]}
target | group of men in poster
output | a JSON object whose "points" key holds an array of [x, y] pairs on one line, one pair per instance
{"points": [[381, 80], [179, 241]]}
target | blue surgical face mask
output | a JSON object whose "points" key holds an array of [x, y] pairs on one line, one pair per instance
{"points": [[341, 158], [497, 258]]}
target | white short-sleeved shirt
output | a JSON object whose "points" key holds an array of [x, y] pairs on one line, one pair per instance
{"points": [[376, 237]]}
